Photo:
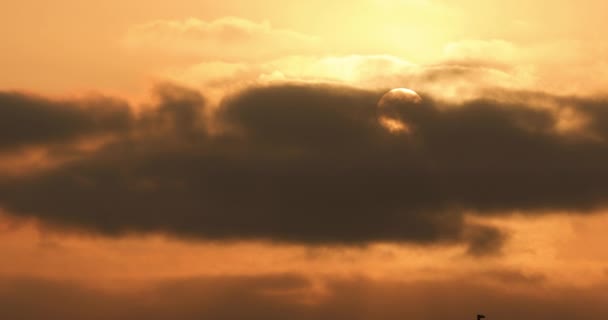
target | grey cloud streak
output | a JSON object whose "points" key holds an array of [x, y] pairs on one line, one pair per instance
{"points": [[312, 164]]}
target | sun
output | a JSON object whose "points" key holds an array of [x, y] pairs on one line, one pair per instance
{"points": [[389, 105], [399, 96]]}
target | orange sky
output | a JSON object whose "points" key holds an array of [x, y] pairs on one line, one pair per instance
{"points": [[99, 46], [229, 159]]}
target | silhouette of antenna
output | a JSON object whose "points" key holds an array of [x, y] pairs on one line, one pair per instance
{"points": [[480, 316]]}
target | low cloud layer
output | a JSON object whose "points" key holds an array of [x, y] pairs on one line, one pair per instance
{"points": [[277, 296], [311, 164]]}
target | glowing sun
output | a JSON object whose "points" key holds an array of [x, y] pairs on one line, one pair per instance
{"points": [[400, 95], [392, 100]]}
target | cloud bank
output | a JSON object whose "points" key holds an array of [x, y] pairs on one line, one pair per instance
{"points": [[309, 164]]}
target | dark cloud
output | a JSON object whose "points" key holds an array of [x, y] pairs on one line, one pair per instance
{"points": [[484, 240], [312, 164], [297, 297], [29, 120]]}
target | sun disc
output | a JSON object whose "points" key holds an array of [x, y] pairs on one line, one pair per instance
{"points": [[400, 96]]}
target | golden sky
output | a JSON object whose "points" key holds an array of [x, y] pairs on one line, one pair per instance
{"points": [[242, 159]]}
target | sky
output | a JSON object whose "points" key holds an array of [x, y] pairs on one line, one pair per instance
{"points": [[362, 159]]}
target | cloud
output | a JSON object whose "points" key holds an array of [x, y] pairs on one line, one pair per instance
{"points": [[495, 50], [31, 120], [455, 79], [225, 39], [484, 240], [514, 277], [312, 164], [277, 296]]}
